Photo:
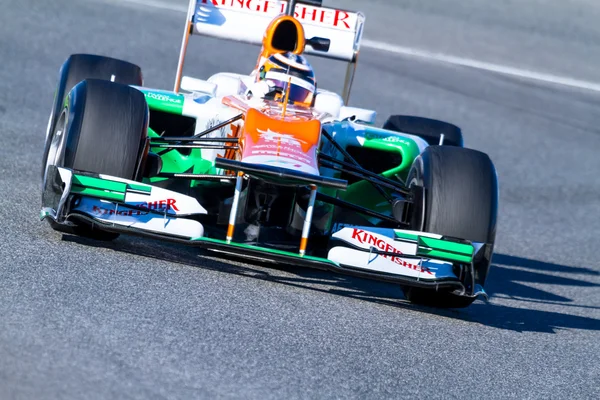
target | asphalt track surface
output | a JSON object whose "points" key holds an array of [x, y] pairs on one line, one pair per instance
{"points": [[141, 319]]}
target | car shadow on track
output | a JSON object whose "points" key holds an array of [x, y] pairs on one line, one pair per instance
{"points": [[505, 281], [509, 273]]}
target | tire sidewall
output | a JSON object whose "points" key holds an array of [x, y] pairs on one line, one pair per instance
{"points": [[77, 68], [422, 175], [427, 129]]}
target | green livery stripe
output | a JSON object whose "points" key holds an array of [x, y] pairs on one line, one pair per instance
{"points": [[139, 188], [109, 185], [44, 214], [392, 142], [98, 183], [152, 134], [439, 248], [406, 236], [443, 255], [444, 249], [102, 194], [105, 188], [164, 101], [444, 245], [265, 250]]}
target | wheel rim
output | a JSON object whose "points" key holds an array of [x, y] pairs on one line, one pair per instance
{"points": [[415, 179], [56, 149]]}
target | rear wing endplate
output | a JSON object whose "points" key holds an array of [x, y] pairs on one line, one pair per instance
{"points": [[247, 20]]}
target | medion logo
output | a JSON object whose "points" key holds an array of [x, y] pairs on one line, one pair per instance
{"points": [[364, 237], [336, 18]]}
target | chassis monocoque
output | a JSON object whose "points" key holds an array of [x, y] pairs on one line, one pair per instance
{"points": [[320, 187]]}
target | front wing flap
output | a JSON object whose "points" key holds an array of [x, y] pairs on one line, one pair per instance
{"points": [[114, 201], [118, 205], [418, 256]]}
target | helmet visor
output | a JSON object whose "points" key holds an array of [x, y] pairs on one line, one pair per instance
{"points": [[300, 91], [297, 94]]}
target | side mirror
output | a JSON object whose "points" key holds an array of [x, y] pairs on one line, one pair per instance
{"points": [[358, 114], [319, 44], [190, 84]]}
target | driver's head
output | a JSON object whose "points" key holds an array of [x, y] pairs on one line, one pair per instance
{"points": [[279, 69]]}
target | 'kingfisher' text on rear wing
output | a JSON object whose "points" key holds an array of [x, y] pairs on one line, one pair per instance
{"points": [[247, 20]]}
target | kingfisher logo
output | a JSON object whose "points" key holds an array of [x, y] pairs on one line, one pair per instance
{"points": [[367, 238], [364, 237], [101, 211], [160, 205], [305, 13]]}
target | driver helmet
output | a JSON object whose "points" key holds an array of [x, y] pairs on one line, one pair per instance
{"points": [[279, 70]]}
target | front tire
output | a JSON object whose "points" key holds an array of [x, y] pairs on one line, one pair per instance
{"points": [[102, 130], [431, 130], [460, 200], [79, 67]]}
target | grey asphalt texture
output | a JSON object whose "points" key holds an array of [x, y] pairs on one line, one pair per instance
{"points": [[142, 319]]}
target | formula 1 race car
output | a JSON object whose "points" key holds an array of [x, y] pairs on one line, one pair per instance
{"points": [[265, 166]]}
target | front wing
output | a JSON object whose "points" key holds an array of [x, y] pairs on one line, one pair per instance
{"points": [[117, 205]]}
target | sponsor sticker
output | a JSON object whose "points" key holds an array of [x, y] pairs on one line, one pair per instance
{"points": [[103, 212], [368, 240], [120, 214], [158, 205], [305, 13], [280, 149], [169, 102], [164, 97], [386, 138]]}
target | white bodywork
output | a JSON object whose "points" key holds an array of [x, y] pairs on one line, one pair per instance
{"points": [[152, 209], [246, 21], [373, 240], [166, 224], [329, 104], [161, 211]]}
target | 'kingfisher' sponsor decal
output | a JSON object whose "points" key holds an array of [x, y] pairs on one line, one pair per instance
{"points": [[101, 211], [369, 239], [160, 205], [142, 218], [305, 13]]}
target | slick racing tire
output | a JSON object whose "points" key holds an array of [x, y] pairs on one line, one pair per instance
{"points": [[459, 199], [87, 66], [102, 130], [430, 130]]}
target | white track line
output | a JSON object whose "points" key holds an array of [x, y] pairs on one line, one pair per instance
{"points": [[439, 57], [482, 65]]}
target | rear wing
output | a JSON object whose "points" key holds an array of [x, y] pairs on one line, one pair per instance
{"points": [[247, 20]]}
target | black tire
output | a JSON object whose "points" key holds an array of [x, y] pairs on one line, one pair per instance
{"points": [[87, 66], [429, 129], [103, 130], [461, 201]]}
